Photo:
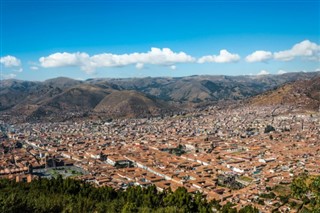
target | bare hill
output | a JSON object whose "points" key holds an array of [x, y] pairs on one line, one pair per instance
{"points": [[130, 104], [303, 94]]}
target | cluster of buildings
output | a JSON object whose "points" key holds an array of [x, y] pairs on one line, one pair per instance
{"points": [[229, 155]]}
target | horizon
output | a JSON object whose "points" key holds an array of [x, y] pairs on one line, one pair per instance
{"points": [[143, 77], [119, 39]]}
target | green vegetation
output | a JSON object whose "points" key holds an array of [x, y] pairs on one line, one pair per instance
{"points": [[179, 150], [302, 195], [307, 189], [271, 195], [245, 178], [54, 173], [69, 195], [282, 190], [64, 172], [269, 128], [249, 209]]}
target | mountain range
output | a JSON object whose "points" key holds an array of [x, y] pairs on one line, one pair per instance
{"points": [[62, 98]]}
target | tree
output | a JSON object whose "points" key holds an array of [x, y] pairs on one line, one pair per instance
{"points": [[269, 128], [284, 199], [299, 187], [129, 208], [228, 208], [249, 209], [215, 204]]}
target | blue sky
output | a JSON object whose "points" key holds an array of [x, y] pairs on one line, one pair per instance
{"points": [[85, 39]]}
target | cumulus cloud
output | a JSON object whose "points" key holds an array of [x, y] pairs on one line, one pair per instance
{"points": [[10, 61], [64, 59], [263, 72], [280, 72], [306, 49], [166, 57], [223, 57], [139, 66], [259, 56], [88, 63]]}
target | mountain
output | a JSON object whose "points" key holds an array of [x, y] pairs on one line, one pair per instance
{"points": [[302, 94], [74, 101], [14, 91], [62, 99], [130, 104], [62, 82], [204, 89]]}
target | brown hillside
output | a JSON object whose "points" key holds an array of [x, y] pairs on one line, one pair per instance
{"points": [[129, 104], [300, 94]]}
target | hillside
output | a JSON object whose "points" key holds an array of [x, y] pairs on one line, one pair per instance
{"points": [[69, 195], [303, 94], [73, 101], [130, 104], [62, 99], [204, 89]]}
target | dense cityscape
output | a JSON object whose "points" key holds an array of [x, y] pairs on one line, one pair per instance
{"points": [[229, 155]]}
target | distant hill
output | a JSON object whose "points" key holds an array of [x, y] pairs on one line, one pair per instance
{"points": [[130, 104], [74, 101], [63, 98], [62, 82], [203, 89], [303, 94]]}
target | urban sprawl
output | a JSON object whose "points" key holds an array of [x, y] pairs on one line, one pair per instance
{"points": [[229, 155]]}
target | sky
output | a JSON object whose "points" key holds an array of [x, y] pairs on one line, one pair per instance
{"points": [[42, 39]]}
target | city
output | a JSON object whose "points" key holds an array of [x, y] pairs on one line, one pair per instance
{"points": [[160, 106], [230, 155]]}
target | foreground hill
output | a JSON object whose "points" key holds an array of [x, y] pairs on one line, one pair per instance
{"points": [[58, 195], [69, 195], [62, 99], [303, 94]]}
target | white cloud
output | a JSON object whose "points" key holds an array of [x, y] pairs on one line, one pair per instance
{"points": [[259, 56], [280, 72], [318, 69], [139, 66], [173, 67], [64, 59], [8, 76], [155, 56], [306, 49], [263, 72], [19, 69], [88, 63], [223, 57], [10, 61], [34, 68]]}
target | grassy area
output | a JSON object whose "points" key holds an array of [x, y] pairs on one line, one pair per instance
{"points": [[74, 173], [53, 173], [64, 172], [246, 179], [282, 190]]}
